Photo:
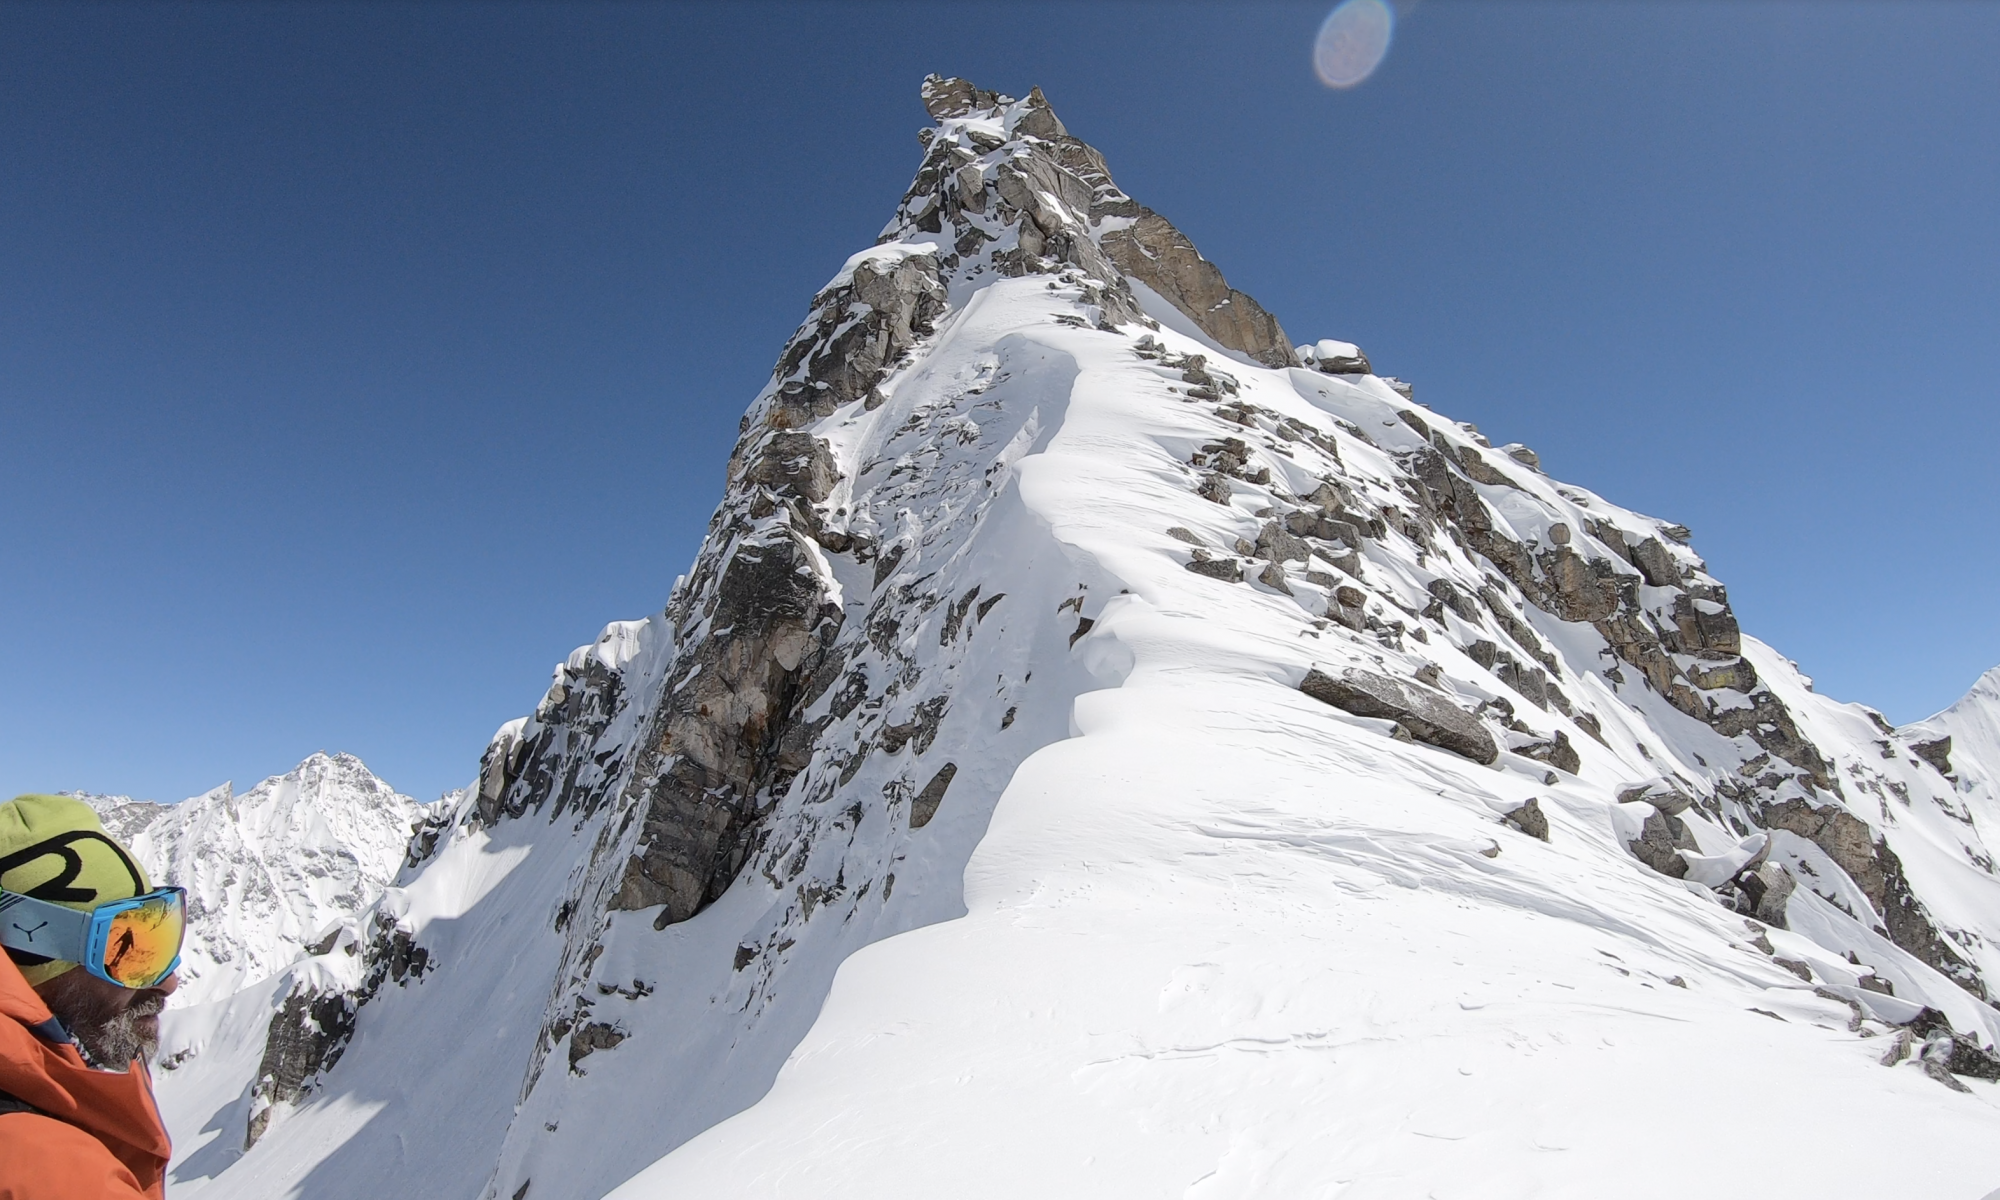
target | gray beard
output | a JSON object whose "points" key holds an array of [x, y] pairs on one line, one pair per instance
{"points": [[109, 1042]]}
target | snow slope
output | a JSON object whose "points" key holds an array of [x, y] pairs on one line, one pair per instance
{"points": [[1091, 754], [1227, 942], [1222, 946]]}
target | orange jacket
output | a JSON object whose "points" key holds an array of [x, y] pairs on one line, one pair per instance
{"points": [[97, 1135]]}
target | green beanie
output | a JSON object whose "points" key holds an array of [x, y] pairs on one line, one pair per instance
{"points": [[54, 848]]}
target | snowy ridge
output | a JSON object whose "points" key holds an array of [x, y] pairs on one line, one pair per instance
{"points": [[1101, 749]]}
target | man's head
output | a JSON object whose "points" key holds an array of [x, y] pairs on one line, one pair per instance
{"points": [[53, 848]]}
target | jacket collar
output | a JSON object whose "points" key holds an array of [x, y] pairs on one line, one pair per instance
{"points": [[41, 1065]]}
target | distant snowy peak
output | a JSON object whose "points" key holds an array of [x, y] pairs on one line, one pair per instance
{"points": [[1963, 743], [266, 871], [1976, 713]]}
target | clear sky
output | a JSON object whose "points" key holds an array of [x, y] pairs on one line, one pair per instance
{"points": [[358, 361]]}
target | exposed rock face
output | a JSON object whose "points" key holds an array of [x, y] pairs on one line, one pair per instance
{"points": [[797, 463], [925, 806], [719, 750], [1936, 752], [1427, 715], [1956, 1053], [1600, 582], [1877, 870], [1058, 194], [312, 1027], [1661, 615], [945, 98], [859, 327], [552, 760], [1154, 253], [588, 1038], [306, 1037]]}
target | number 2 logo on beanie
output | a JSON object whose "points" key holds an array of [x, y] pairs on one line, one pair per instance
{"points": [[54, 848]]}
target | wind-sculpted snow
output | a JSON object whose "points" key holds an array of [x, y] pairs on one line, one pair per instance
{"points": [[1094, 754]]}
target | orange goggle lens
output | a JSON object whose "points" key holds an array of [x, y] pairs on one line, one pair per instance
{"points": [[142, 943]]}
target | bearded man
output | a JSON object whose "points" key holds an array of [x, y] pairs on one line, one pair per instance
{"points": [[91, 948]]}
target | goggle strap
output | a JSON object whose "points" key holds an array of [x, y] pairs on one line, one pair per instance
{"points": [[39, 927]]}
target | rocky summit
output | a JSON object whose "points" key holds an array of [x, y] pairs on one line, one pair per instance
{"points": [[1106, 748]]}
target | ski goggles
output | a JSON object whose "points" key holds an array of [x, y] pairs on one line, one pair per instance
{"points": [[133, 943]]}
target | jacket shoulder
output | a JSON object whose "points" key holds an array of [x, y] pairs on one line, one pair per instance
{"points": [[42, 1158]]}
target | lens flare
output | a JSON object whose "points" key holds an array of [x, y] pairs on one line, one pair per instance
{"points": [[1353, 42]]}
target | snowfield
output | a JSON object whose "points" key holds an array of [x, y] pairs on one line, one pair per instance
{"points": [[1102, 750]]}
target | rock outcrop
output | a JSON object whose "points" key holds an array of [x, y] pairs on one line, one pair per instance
{"points": [[1151, 251], [1426, 715], [1875, 868], [1529, 819], [323, 1000], [1335, 358]]}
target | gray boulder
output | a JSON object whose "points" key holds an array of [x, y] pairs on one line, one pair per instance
{"points": [[1659, 844], [1766, 889], [1277, 545], [1335, 358], [1656, 563], [1228, 570], [1427, 715], [1557, 752], [1530, 819]]}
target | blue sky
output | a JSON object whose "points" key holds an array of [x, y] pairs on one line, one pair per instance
{"points": [[358, 361]]}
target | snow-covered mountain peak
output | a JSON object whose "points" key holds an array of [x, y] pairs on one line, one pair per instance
{"points": [[269, 870], [1103, 748], [1963, 744], [1980, 703]]}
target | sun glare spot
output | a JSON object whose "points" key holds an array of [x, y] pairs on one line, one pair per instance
{"points": [[1352, 42]]}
